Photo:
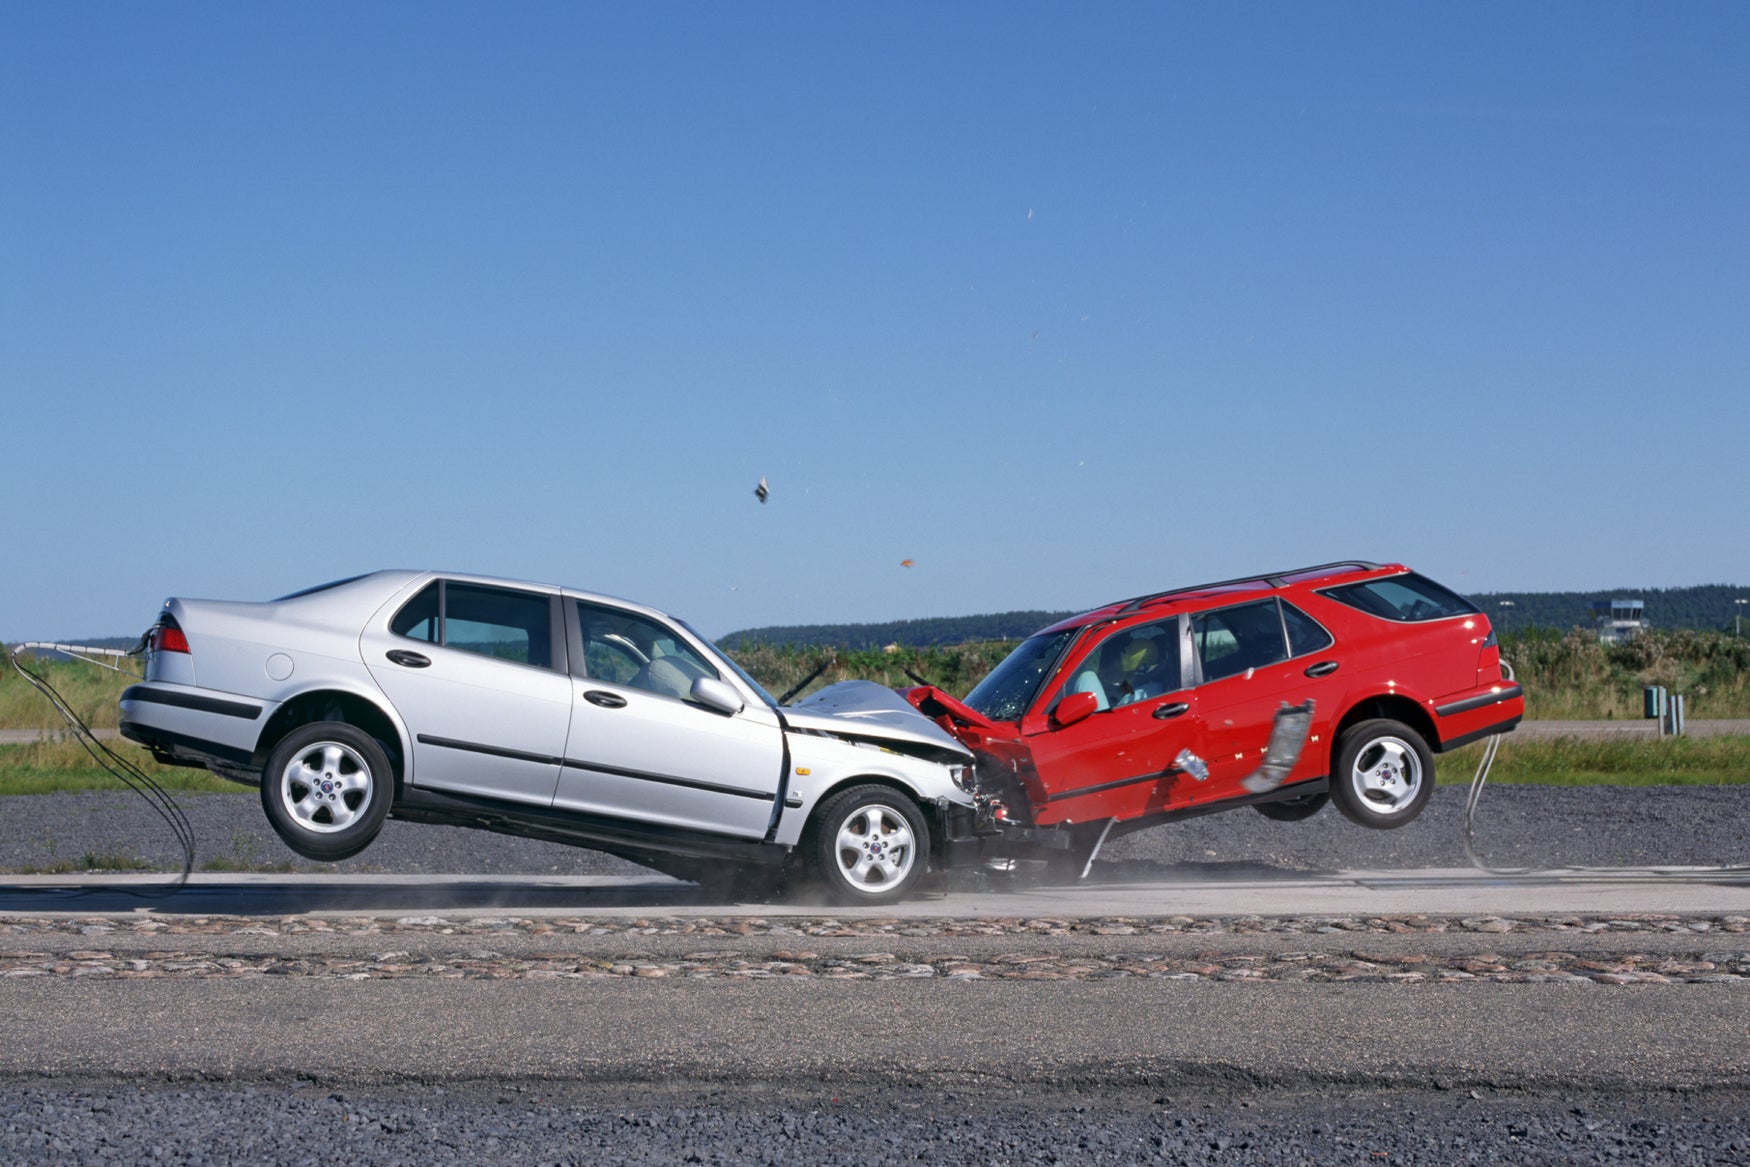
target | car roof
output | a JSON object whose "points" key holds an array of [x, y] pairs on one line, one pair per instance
{"points": [[1210, 595], [533, 586]]}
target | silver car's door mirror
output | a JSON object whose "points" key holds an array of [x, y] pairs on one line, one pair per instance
{"points": [[715, 694]]}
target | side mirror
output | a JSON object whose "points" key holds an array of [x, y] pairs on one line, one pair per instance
{"points": [[715, 694], [1074, 708]]}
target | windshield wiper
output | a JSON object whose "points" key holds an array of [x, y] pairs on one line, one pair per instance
{"points": [[805, 681]]}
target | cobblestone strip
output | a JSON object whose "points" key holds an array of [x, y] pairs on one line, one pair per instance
{"points": [[943, 926], [796, 960], [1320, 967]]}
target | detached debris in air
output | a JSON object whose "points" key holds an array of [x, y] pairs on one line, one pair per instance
{"points": [[908, 563], [763, 491]]}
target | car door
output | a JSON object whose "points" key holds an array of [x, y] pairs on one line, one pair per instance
{"points": [[1119, 761], [1251, 660], [641, 749], [477, 673]]}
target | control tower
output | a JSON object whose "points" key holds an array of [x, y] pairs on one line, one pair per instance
{"points": [[1618, 620]]}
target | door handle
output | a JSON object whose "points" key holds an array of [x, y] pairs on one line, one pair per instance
{"points": [[1163, 712], [604, 698], [412, 660], [1323, 669]]}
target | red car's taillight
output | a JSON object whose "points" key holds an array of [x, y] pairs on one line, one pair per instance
{"points": [[1489, 659], [168, 638]]}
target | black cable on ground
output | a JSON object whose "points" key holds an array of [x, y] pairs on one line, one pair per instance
{"points": [[136, 779], [1470, 810]]}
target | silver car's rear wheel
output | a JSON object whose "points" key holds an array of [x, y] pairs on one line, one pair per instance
{"points": [[870, 845], [326, 790], [325, 787]]}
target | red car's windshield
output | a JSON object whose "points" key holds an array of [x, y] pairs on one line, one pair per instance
{"points": [[1005, 693]]}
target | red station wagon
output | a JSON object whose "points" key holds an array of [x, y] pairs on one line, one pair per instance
{"points": [[1162, 706]]}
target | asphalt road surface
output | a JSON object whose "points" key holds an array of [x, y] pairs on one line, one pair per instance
{"points": [[1326, 1018], [738, 1040], [1516, 826]]}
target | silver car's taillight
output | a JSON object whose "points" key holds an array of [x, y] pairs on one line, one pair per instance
{"points": [[167, 637]]}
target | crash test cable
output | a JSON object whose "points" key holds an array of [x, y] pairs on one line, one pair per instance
{"points": [[133, 776], [1470, 812]]}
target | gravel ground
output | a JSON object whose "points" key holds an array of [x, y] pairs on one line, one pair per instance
{"points": [[1540, 826], [1236, 1122], [301, 1123]]}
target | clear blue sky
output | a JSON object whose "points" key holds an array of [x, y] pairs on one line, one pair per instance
{"points": [[1062, 302]]}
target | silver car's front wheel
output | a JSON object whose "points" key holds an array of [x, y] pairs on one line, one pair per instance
{"points": [[870, 846], [326, 790], [1384, 774]]}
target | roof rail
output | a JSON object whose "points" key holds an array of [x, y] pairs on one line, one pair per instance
{"points": [[1274, 578]]}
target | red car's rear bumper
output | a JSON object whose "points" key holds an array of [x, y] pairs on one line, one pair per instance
{"points": [[1462, 718]]}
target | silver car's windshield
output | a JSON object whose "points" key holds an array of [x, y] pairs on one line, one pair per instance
{"points": [[1005, 693], [730, 661]]}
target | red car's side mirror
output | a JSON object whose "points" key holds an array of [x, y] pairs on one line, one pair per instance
{"points": [[1074, 708]]}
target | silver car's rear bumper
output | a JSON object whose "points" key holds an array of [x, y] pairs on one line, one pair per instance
{"points": [[191, 726]]}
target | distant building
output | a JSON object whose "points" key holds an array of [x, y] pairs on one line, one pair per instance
{"points": [[1618, 620]]}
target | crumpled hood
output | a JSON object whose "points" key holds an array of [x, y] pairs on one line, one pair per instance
{"points": [[865, 711]]}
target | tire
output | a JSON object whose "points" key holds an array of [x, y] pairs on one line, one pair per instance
{"points": [[334, 823], [868, 845], [1293, 810], [1384, 774]]}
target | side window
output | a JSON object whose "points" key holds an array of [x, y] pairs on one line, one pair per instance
{"points": [[1404, 598], [495, 622], [625, 648], [419, 619], [1132, 664], [1304, 633], [1232, 640]]}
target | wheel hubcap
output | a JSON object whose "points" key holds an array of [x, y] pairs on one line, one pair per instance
{"points": [[875, 848], [1387, 775], [326, 787]]}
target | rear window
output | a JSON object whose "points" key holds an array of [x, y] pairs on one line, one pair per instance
{"points": [[333, 583], [1304, 633], [1252, 636], [1232, 640], [497, 622], [1403, 598]]}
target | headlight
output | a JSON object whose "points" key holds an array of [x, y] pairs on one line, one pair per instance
{"points": [[962, 776]]}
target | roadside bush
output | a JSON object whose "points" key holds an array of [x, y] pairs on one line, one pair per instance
{"points": [[1574, 675]]}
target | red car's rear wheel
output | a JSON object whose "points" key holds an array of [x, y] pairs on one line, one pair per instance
{"points": [[1384, 774]]}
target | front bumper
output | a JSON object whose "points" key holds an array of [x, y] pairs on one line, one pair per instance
{"points": [[970, 837]]}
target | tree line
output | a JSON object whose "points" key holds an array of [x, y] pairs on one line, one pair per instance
{"points": [[1705, 608]]}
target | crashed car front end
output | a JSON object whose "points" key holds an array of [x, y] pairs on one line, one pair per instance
{"points": [[862, 728]]}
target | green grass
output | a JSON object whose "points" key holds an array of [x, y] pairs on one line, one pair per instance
{"points": [[52, 767], [1684, 761], [1572, 676], [92, 691]]}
